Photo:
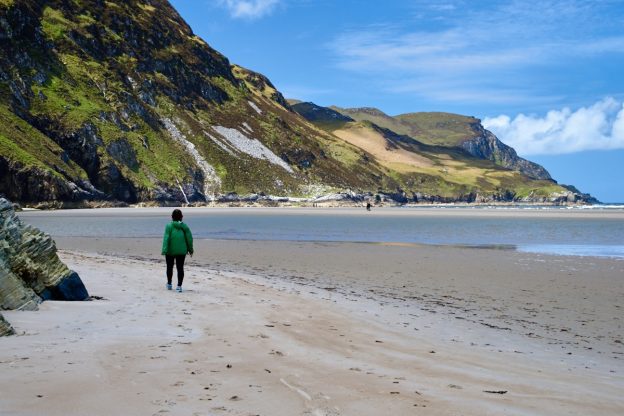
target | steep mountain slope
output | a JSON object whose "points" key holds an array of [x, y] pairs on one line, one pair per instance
{"points": [[450, 130], [121, 101], [439, 170], [456, 157]]}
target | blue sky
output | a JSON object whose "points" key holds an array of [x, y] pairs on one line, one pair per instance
{"points": [[545, 77]]}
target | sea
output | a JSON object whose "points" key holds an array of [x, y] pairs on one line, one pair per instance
{"points": [[598, 230]]}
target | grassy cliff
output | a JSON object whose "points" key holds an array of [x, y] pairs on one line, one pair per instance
{"points": [[120, 100]]}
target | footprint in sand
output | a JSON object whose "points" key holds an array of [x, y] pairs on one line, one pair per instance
{"points": [[163, 403], [317, 405]]}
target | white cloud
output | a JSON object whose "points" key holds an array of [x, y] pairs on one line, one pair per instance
{"points": [[450, 51], [249, 9], [442, 7], [444, 89], [475, 51], [597, 127]]}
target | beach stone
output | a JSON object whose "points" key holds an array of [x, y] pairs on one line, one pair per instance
{"points": [[69, 287], [30, 269], [5, 327]]}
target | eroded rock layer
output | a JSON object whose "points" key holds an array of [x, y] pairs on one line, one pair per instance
{"points": [[30, 269]]}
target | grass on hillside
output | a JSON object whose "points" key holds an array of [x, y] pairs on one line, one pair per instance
{"points": [[243, 74], [376, 117], [71, 95], [455, 172], [21, 142], [54, 24], [437, 128], [331, 125]]}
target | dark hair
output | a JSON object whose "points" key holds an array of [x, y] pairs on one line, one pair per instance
{"points": [[176, 215]]}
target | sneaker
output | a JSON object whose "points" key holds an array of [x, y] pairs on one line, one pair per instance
{"points": [[169, 287], [179, 288]]}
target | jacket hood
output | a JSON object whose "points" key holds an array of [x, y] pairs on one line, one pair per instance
{"points": [[178, 224]]}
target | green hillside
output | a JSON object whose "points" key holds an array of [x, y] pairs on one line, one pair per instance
{"points": [[435, 128], [121, 101], [442, 129], [452, 131]]}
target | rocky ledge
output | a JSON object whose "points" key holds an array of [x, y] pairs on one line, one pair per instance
{"points": [[30, 269]]}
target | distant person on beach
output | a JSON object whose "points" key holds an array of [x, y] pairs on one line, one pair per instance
{"points": [[177, 242], [368, 206]]}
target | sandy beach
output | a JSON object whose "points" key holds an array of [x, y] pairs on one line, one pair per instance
{"points": [[284, 328]]}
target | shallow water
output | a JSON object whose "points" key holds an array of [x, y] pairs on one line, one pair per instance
{"points": [[593, 235]]}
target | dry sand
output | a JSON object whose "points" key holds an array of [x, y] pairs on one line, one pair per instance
{"points": [[282, 328]]}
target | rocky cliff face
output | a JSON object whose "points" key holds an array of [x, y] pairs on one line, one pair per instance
{"points": [[30, 270], [486, 145], [119, 100], [84, 79]]}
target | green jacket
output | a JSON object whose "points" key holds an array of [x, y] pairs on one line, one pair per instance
{"points": [[177, 240]]}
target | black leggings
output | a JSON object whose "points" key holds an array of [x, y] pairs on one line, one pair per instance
{"points": [[179, 262]]}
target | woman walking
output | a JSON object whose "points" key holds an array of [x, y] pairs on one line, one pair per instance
{"points": [[177, 242]]}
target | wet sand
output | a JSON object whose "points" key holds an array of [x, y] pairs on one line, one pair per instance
{"points": [[572, 304], [422, 210], [283, 328]]}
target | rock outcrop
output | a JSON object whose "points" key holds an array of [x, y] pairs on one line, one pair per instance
{"points": [[30, 269], [260, 84], [5, 327], [486, 145], [317, 114]]}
